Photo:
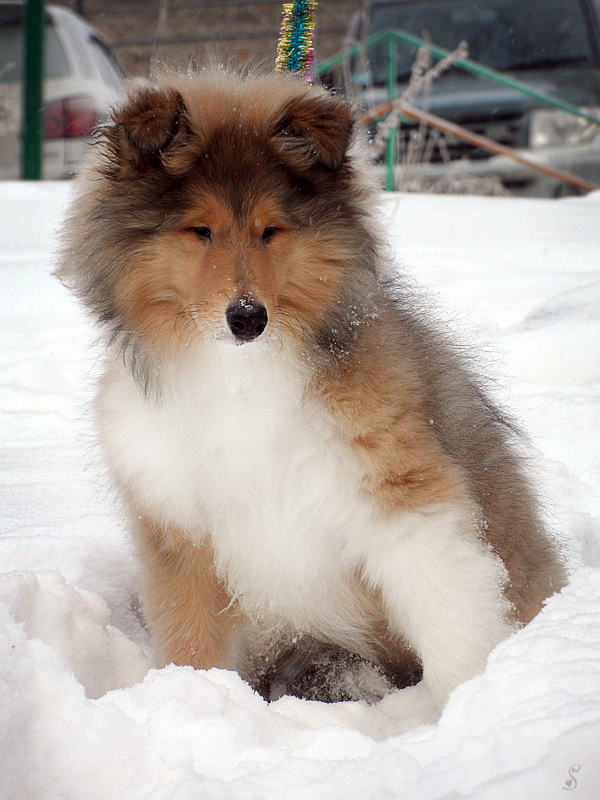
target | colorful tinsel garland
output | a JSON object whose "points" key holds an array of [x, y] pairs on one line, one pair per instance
{"points": [[295, 51]]}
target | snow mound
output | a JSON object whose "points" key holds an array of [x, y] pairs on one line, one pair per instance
{"points": [[75, 623]]}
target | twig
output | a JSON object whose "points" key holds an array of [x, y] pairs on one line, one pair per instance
{"points": [[420, 80]]}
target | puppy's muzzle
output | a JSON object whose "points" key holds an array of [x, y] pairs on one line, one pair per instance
{"points": [[246, 319]]}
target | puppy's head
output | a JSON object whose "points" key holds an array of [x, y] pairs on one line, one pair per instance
{"points": [[220, 208]]}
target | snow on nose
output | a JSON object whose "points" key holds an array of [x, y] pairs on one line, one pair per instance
{"points": [[246, 319]]}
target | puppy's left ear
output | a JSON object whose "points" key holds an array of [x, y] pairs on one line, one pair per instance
{"points": [[314, 130]]}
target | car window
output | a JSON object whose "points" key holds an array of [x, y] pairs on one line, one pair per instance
{"points": [[502, 34], [76, 35], [104, 63], [11, 53]]}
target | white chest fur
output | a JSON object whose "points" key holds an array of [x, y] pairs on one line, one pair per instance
{"points": [[237, 450]]}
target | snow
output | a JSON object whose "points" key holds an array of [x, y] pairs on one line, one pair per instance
{"points": [[83, 711]]}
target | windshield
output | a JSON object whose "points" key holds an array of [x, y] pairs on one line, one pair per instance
{"points": [[502, 34]]}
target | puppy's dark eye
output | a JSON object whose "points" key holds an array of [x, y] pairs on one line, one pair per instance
{"points": [[268, 234], [203, 232]]}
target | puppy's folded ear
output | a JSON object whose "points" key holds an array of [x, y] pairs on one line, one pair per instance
{"points": [[314, 130], [146, 128]]}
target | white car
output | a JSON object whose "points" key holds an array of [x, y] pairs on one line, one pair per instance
{"points": [[81, 83]]}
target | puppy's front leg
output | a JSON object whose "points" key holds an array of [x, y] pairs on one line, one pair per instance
{"points": [[442, 588], [187, 606]]}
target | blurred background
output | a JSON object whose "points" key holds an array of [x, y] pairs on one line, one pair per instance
{"points": [[457, 96], [183, 31]]}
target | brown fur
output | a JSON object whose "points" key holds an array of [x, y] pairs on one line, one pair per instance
{"points": [[186, 599], [240, 158]]}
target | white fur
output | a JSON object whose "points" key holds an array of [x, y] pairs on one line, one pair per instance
{"points": [[442, 588], [237, 449]]}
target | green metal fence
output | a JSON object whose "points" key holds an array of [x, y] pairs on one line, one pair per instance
{"points": [[31, 151], [390, 39]]}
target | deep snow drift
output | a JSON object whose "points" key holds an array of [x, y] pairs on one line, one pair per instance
{"points": [[83, 713]]}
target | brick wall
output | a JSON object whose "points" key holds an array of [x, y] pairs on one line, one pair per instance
{"points": [[184, 32]]}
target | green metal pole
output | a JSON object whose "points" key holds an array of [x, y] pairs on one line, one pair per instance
{"points": [[463, 63], [390, 153], [31, 151]]}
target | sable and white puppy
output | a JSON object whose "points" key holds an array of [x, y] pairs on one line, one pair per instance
{"points": [[315, 481]]}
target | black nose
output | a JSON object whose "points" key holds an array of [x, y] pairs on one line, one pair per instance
{"points": [[247, 319]]}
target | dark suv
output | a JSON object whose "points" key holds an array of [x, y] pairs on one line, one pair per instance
{"points": [[552, 45]]}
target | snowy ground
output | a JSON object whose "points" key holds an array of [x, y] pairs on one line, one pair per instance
{"points": [[82, 712]]}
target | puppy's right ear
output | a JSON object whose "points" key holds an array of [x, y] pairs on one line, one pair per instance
{"points": [[147, 128], [314, 129]]}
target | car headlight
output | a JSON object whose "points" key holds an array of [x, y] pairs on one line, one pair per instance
{"points": [[555, 128]]}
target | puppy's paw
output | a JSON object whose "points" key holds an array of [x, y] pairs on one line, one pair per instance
{"points": [[314, 670]]}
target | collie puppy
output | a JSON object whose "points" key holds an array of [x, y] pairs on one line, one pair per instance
{"points": [[321, 494]]}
